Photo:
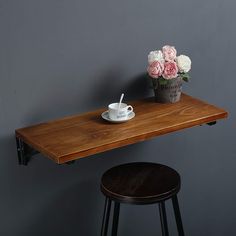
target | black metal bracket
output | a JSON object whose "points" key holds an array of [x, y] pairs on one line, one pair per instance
{"points": [[24, 151], [212, 123], [70, 162]]}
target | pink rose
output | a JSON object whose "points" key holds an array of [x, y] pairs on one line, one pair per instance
{"points": [[170, 70], [169, 53], [155, 69]]}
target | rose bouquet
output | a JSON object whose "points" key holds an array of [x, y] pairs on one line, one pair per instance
{"points": [[164, 65]]}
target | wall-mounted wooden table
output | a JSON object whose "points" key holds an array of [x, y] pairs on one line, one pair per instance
{"points": [[71, 138]]}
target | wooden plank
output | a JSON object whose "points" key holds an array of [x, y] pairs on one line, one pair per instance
{"points": [[86, 134]]}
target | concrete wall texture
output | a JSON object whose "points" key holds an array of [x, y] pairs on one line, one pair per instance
{"points": [[61, 57]]}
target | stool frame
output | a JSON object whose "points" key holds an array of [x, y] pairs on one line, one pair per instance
{"points": [[162, 212]]}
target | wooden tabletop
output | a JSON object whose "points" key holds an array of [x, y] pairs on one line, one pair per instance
{"points": [[78, 136]]}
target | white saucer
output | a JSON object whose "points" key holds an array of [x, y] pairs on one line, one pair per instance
{"points": [[105, 116]]}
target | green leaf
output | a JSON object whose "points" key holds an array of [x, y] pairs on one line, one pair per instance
{"points": [[162, 81], [185, 77]]}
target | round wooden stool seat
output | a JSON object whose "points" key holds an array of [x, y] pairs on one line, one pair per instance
{"points": [[140, 183]]}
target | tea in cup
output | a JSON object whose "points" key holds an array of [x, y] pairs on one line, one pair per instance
{"points": [[122, 113]]}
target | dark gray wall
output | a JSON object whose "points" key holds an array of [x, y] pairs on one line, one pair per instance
{"points": [[60, 57]]}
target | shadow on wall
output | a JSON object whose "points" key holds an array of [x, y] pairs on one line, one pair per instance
{"points": [[138, 87], [8, 148], [71, 211], [110, 86], [105, 89]]}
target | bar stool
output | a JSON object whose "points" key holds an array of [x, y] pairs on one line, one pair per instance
{"points": [[140, 183]]}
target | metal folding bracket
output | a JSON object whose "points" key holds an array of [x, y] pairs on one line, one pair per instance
{"points": [[24, 151], [212, 123], [70, 162]]}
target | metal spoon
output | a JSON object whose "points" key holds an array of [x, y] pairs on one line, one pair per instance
{"points": [[121, 98]]}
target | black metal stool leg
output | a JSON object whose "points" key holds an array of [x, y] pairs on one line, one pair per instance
{"points": [[115, 218], [164, 225], [106, 215], [178, 216]]}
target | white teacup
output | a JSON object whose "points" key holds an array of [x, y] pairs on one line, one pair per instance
{"points": [[123, 112]]}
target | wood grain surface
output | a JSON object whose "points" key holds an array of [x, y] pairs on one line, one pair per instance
{"points": [[78, 136]]}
